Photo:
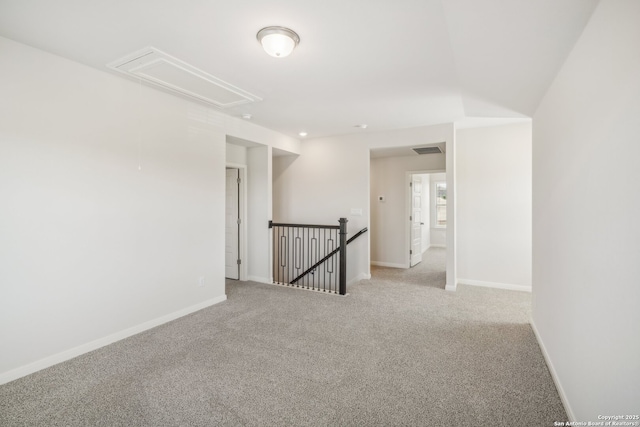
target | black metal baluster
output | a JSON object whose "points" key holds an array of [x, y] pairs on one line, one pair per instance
{"points": [[276, 254], [305, 262], [292, 234], [333, 263], [289, 271], [319, 270], [327, 269], [336, 260], [285, 270], [296, 253], [319, 251], [309, 231], [316, 284], [282, 258], [327, 249], [323, 281], [314, 257]]}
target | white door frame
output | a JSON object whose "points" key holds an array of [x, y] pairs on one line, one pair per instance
{"points": [[408, 210], [416, 220], [242, 213]]}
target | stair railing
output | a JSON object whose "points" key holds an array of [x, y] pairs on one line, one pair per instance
{"points": [[311, 256]]}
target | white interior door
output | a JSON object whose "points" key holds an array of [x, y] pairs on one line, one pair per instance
{"points": [[416, 220], [232, 225]]}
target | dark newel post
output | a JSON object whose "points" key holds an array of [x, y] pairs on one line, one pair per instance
{"points": [[343, 256]]}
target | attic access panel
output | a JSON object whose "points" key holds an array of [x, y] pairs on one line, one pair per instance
{"points": [[427, 150], [160, 69]]}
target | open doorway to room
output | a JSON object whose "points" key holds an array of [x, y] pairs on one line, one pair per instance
{"points": [[426, 205], [235, 230], [408, 219], [237, 201], [232, 225]]}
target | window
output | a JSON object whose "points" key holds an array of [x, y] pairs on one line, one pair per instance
{"points": [[441, 204]]}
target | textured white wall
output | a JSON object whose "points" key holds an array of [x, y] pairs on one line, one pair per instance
{"points": [[236, 154], [586, 206], [323, 184], [494, 205], [93, 249], [90, 245], [331, 176]]}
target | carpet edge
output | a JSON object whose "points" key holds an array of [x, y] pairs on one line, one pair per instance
{"points": [[74, 352], [552, 371]]}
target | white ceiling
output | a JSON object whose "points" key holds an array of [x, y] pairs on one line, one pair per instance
{"points": [[395, 151], [387, 63]]}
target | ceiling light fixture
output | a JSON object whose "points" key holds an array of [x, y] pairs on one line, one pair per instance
{"points": [[303, 134], [278, 41]]}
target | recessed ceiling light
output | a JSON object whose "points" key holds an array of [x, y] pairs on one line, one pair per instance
{"points": [[362, 126], [302, 134], [246, 116], [278, 41]]}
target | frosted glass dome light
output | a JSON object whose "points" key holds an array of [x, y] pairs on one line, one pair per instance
{"points": [[278, 41]]}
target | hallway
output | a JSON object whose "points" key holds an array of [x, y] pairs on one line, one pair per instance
{"points": [[430, 272]]}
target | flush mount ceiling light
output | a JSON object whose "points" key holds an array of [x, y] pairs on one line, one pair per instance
{"points": [[278, 41]]}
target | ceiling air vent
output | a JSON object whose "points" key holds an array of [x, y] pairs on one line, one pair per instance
{"points": [[160, 69], [428, 150]]}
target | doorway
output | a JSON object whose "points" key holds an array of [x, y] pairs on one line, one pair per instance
{"points": [[232, 225], [426, 213], [235, 228], [416, 223], [390, 173]]}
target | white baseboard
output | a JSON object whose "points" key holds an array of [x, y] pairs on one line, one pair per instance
{"points": [[507, 286], [361, 276], [554, 375], [388, 264], [450, 288], [38, 365], [437, 246], [259, 279]]}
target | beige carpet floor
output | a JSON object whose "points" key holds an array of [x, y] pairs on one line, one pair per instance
{"points": [[398, 351]]}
